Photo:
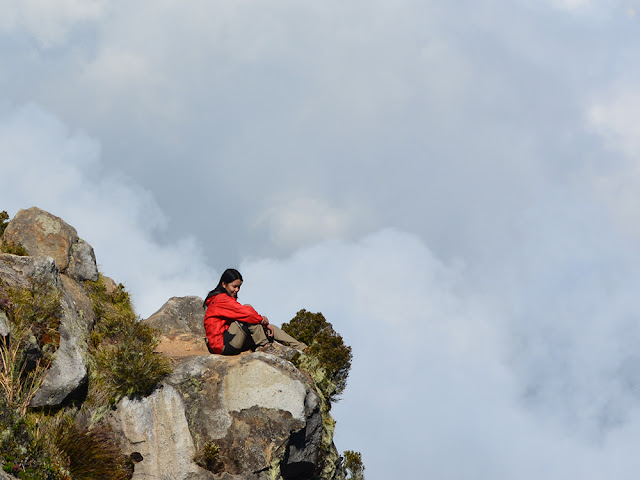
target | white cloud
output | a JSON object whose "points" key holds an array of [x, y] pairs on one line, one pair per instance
{"points": [[592, 8], [49, 23], [614, 117], [306, 131], [60, 171], [522, 368], [302, 220], [529, 360], [617, 118]]}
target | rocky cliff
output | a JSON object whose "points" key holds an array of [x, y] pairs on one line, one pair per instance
{"points": [[251, 416]]}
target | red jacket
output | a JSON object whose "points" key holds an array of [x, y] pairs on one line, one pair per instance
{"points": [[222, 310]]}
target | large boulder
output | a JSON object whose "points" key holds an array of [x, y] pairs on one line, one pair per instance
{"points": [[179, 316], [82, 262], [258, 410], [261, 413], [154, 432], [181, 324], [44, 234], [68, 371]]}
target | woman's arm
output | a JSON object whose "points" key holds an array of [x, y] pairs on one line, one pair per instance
{"points": [[227, 307]]}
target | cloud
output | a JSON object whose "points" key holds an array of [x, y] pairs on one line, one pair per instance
{"points": [[60, 171], [615, 117], [453, 185], [529, 360], [300, 220], [49, 24], [518, 369]]}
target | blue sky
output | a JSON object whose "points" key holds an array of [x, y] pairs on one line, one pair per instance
{"points": [[453, 184]]}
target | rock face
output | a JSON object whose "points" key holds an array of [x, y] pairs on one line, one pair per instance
{"points": [[258, 410], [179, 316], [43, 234], [154, 430], [4, 324], [252, 417], [181, 321], [261, 413], [68, 371]]}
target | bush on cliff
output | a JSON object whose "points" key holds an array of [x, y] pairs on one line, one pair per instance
{"points": [[330, 357], [34, 315], [125, 363], [4, 221], [353, 467]]}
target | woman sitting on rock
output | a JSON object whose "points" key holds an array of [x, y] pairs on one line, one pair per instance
{"points": [[231, 327]]}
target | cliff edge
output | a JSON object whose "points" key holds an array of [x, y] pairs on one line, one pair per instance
{"points": [[201, 416]]}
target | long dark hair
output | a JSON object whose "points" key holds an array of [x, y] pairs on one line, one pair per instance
{"points": [[228, 276]]}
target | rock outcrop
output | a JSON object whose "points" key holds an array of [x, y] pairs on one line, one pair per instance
{"points": [[43, 234], [251, 416], [68, 371]]}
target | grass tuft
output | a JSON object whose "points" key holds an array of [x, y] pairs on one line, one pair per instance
{"points": [[13, 248], [208, 457], [123, 349], [34, 316], [4, 221], [84, 453]]}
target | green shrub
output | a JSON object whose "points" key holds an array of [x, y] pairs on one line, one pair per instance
{"points": [[21, 454], [36, 308], [124, 360], [84, 453], [13, 248], [4, 221], [33, 314], [353, 467], [327, 347], [208, 457], [130, 367]]}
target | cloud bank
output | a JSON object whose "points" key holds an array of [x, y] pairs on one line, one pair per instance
{"points": [[453, 185], [45, 164]]}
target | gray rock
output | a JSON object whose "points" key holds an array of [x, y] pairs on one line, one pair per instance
{"points": [[42, 234], [81, 303], [260, 411], [16, 271], [66, 374], [179, 316], [82, 262], [68, 371], [156, 429], [4, 324], [6, 476]]}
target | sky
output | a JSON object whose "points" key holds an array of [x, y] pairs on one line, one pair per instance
{"points": [[455, 185]]}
